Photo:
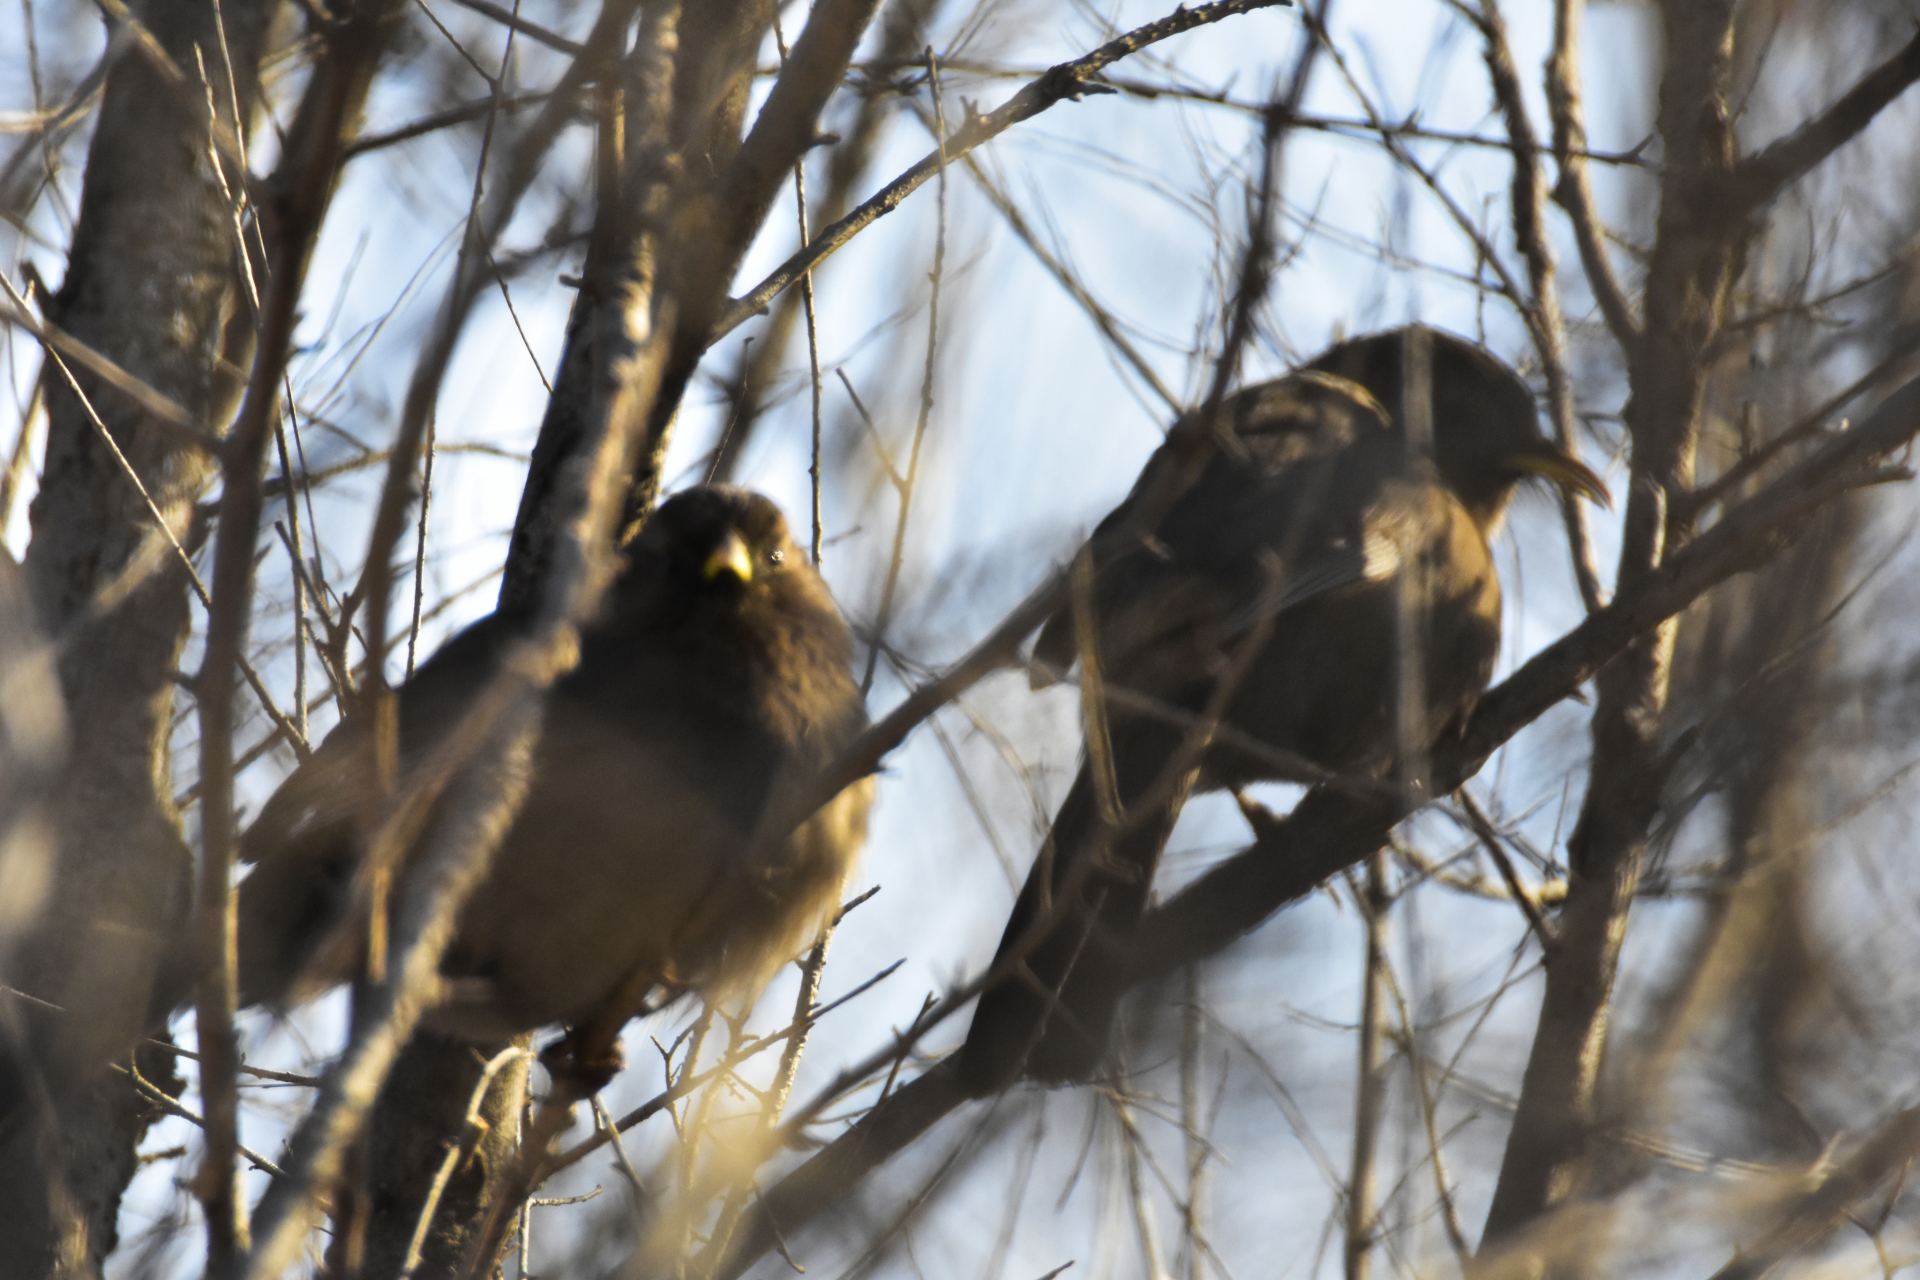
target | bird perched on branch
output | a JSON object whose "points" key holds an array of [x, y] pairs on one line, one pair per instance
{"points": [[713, 684], [1319, 600]]}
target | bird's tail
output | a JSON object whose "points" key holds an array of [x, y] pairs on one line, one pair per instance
{"points": [[1064, 953]]}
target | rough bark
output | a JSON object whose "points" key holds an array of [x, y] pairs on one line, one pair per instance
{"points": [[150, 282], [421, 1114], [1697, 255]]}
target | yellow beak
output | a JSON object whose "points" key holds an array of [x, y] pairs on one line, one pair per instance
{"points": [[731, 556], [1571, 474]]}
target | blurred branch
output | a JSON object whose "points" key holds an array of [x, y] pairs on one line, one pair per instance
{"points": [[1761, 177], [706, 255], [56, 122], [1489, 838], [294, 207], [1409, 126], [1689, 508], [163, 409], [903, 26], [1548, 327], [905, 483], [890, 1127], [1574, 193], [1803, 1221], [1369, 1089], [476, 110], [1390, 140], [497, 726], [222, 133], [1066, 80], [1696, 258], [787, 125], [122, 585], [472, 274], [1102, 318], [532, 30], [302, 481]]}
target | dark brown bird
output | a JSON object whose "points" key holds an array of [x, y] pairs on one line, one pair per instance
{"points": [[714, 683], [1270, 596]]}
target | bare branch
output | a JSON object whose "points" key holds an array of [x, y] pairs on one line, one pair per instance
{"points": [[1761, 177], [301, 188], [1696, 258], [1067, 80], [1549, 331], [462, 114], [1810, 1216], [1574, 193], [532, 30]]}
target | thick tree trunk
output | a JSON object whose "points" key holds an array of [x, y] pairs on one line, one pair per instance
{"points": [[151, 283]]}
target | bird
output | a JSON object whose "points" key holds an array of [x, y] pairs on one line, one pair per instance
{"points": [[712, 688], [1265, 629]]}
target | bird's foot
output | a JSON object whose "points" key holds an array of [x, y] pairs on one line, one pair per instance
{"points": [[582, 1064]]}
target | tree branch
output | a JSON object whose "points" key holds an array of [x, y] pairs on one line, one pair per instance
{"points": [[1549, 330], [1066, 80], [299, 193], [1810, 1216], [1573, 193], [1761, 177], [1697, 255]]}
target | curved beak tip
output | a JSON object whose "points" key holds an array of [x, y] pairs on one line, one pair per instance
{"points": [[1572, 475], [732, 556]]}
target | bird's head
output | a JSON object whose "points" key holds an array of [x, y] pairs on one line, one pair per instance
{"points": [[713, 548], [1486, 431]]}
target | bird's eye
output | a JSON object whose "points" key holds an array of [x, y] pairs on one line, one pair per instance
{"points": [[776, 557]]}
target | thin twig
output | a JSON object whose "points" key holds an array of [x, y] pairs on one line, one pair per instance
{"points": [[1489, 837], [420, 544], [472, 1126], [1067, 80], [444, 120], [884, 615], [1573, 192], [171, 1105], [813, 328], [1430, 1120], [289, 532], [1688, 509], [511, 19], [1548, 328], [1369, 1077], [1102, 319]]}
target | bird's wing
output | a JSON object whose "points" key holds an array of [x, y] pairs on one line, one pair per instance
{"points": [[1387, 534], [302, 845], [1056, 650], [1285, 435], [324, 790]]}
